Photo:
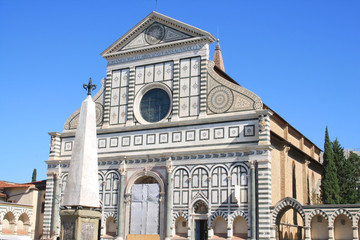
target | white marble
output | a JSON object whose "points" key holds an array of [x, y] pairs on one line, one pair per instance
{"points": [[82, 187]]}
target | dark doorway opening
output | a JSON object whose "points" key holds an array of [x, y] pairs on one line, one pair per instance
{"points": [[201, 232]]}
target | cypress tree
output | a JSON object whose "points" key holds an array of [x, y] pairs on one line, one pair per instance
{"points": [[33, 179], [329, 181], [345, 174], [355, 161]]}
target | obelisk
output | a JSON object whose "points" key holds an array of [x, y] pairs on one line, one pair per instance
{"points": [[80, 213]]}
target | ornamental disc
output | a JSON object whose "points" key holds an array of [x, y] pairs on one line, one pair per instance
{"points": [[220, 99], [154, 34]]}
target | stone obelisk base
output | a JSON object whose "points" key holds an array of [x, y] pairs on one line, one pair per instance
{"points": [[79, 224]]}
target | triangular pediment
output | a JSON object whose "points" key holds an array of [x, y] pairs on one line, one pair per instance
{"points": [[156, 30], [156, 33]]}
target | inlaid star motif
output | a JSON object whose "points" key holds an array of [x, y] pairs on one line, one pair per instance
{"points": [[168, 70], [116, 79], [123, 114], [149, 74], [123, 96], [113, 115], [184, 106], [185, 68], [139, 75], [195, 86], [195, 66], [184, 87], [115, 97], [194, 106], [158, 72]]}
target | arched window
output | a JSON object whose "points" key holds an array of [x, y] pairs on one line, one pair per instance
{"points": [[181, 187], [239, 180], [111, 189], [101, 186], [219, 183], [200, 178]]}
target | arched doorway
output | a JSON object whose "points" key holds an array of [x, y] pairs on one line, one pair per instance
{"points": [[288, 219], [343, 228], [144, 216], [240, 228], [200, 217], [319, 228]]}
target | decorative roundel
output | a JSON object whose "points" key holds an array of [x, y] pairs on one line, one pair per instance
{"points": [[154, 34], [220, 99], [99, 113]]}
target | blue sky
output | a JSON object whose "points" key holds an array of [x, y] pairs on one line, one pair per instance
{"points": [[301, 57]]}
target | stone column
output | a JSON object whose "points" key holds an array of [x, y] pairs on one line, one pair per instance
{"points": [[331, 231], [355, 233], [55, 228], [169, 199], [253, 200], [307, 233], [121, 194]]}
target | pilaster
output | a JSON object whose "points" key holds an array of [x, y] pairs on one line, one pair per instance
{"points": [[107, 99], [121, 194], [264, 196], [169, 169], [253, 199], [203, 87], [131, 96], [176, 90]]}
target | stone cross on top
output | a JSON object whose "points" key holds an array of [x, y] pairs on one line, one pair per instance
{"points": [[89, 87]]}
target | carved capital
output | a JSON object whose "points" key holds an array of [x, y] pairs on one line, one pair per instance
{"points": [[169, 166], [252, 163], [122, 168]]}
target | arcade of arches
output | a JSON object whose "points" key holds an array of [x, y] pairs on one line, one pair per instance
{"points": [[291, 220]]}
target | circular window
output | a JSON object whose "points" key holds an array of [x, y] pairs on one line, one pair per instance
{"points": [[155, 105], [152, 103]]}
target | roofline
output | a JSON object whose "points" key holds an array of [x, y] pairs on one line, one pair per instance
{"points": [[293, 128]]}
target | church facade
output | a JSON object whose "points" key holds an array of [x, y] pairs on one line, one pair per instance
{"points": [[184, 151]]}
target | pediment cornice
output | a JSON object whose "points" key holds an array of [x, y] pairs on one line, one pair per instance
{"points": [[195, 35]]}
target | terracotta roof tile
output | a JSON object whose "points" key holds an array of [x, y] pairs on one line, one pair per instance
{"points": [[4, 184]]}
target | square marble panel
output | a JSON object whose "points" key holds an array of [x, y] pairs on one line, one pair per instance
{"points": [[204, 134], [249, 131], [138, 140], [233, 132], [190, 135], [150, 139], [176, 136], [163, 138], [125, 141], [114, 142], [219, 133], [102, 143], [68, 146]]}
